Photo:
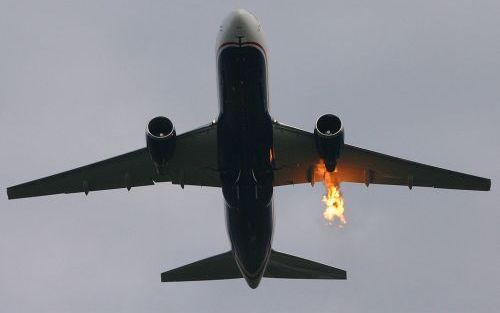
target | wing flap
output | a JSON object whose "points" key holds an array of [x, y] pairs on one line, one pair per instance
{"points": [[295, 155], [195, 160]]}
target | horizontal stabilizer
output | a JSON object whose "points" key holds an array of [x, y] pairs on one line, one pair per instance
{"points": [[222, 266], [284, 265]]}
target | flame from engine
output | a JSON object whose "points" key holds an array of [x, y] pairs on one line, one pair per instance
{"points": [[333, 198], [334, 205]]}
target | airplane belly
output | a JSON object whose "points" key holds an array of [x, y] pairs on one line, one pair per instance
{"points": [[250, 229], [244, 132]]}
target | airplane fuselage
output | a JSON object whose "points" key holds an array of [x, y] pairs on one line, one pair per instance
{"points": [[245, 141]]}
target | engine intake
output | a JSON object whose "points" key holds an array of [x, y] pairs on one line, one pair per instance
{"points": [[160, 140], [329, 136]]}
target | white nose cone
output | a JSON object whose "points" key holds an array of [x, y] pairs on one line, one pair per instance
{"points": [[240, 27]]}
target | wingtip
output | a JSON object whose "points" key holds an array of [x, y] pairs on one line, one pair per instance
{"points": [[345, 275], [485, 185], [164, 277], [10, 196]]}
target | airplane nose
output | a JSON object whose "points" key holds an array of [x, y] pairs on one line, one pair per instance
{"points": [[240, 26], [241, 16], [240, 22]]}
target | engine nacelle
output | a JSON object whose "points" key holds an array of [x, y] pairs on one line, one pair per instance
{"points": [[329, 136], [160, 140]]}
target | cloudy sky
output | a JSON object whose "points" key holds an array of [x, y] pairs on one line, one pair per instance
{"points": [[79, 80]]}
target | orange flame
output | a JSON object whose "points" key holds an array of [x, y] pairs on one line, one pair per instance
{"points": [[334, 205], [333, 198]]}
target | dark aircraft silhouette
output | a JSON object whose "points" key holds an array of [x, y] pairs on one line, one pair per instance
{"points": [[247, 154]]}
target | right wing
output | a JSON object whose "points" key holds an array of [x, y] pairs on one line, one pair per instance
{"points": [[359, 165], [194, 163], [297, 162]]}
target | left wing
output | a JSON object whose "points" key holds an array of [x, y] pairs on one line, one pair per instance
{"points": [[297, 162], [194, 163]]}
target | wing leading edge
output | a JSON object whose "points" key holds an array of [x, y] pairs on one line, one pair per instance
{"points": [[297, 162], [194, 163]]}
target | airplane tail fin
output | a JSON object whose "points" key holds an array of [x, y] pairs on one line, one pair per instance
{"points": [[284, 265], [221, 266]]}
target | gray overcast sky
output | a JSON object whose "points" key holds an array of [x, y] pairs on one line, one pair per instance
{"points": [[79, 80]]}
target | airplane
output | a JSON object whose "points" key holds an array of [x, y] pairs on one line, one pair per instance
{"points": [[247, 153]]}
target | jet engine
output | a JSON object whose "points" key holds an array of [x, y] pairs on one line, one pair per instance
{"points": [[160, 140], [329, 137]]}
